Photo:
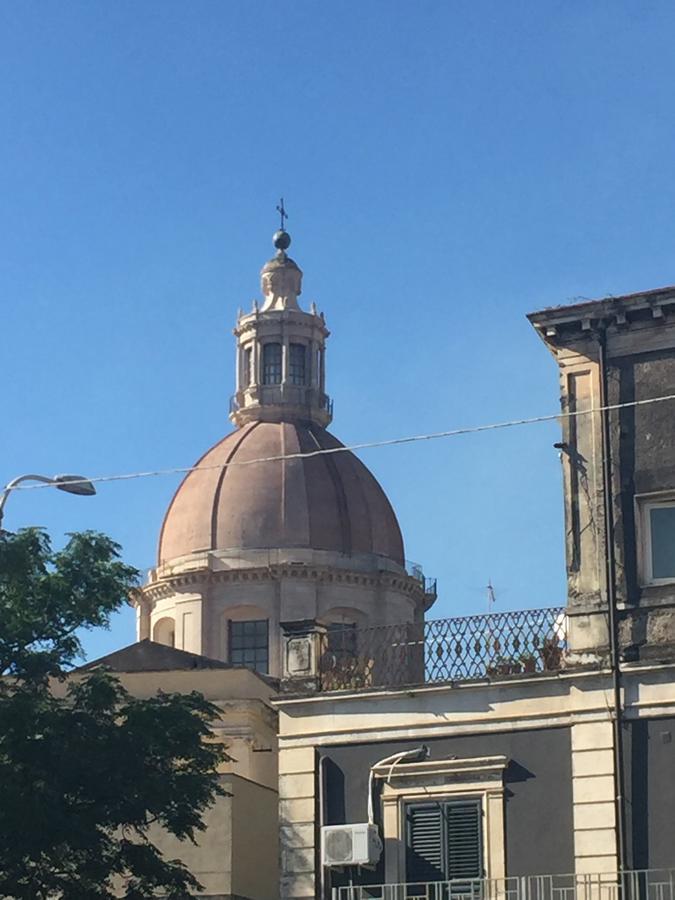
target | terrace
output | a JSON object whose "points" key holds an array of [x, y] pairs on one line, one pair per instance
{"points": [[465, 648]]}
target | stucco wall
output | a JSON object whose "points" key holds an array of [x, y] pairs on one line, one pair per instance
{"points": [[255, 844], [650, 792], [210, 857], [538, 796]]}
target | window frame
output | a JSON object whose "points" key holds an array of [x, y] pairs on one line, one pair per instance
{"points": [[246, 367], [644, 504], [272, 367], [444, 779], [293, 364], [232, 627]]}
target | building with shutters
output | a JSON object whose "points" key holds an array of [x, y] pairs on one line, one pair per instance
{"points": [[525, 754]]}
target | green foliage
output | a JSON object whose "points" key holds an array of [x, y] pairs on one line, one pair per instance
{"points": [[86, 770]]}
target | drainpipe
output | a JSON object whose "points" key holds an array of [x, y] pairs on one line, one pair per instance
{"points": [[322, 822], [610, 575]]}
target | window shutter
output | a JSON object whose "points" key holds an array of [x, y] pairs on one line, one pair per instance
{"points": [[444, 841], [425, 842], [464, 844]]}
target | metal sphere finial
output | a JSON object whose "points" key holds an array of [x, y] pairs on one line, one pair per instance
{"points": [[281, 240]]}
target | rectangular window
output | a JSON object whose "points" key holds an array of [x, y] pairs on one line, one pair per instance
{"points": [[444, 841], [272, 364], [341, 638], [246, 368], [658, 520], [249, 644], [296, 363]]}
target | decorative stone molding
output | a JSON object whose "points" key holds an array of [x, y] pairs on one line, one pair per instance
{"points": [[171, 584]]}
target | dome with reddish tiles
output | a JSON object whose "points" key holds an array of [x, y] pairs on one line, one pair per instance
{"points": [[326, 502]]}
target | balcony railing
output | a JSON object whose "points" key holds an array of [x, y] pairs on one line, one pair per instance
{"points": [[645, 884], [459, 649], [416, 571]]}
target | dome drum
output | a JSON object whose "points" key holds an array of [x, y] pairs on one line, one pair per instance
{"points": [[197, 608]]}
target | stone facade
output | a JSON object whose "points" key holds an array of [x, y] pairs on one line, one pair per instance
{"points": [[632, 339], [552, 806], [236, 855]]}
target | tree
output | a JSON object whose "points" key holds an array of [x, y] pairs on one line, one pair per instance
{"points": [[85, 775]]}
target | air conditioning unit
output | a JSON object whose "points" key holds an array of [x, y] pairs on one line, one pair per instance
{"points": [[350, 845]]}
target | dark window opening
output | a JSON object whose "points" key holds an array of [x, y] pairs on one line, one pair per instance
{"points": [[662, 529], [249, 644], [296, 363], [444, 841], [246, 365], [272, 364], [341, 638]]}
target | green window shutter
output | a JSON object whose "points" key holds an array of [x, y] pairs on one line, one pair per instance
{"points": [[444, 841], [425, 856], [464, 839]]}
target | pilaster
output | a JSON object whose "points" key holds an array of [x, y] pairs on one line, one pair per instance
{"points": [[595, 845]]}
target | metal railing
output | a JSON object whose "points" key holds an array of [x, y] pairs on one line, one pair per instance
{"points": [[325, 402], [459, 649], [415, 570], [644, 884]]}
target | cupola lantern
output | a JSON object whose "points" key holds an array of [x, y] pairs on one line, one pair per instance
{"points": [[280, 350]]}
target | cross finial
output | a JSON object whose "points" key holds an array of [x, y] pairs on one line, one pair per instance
{"points": [[282, 213]]}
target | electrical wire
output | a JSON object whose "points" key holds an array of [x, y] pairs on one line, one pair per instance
{"points": [[365, 445]]}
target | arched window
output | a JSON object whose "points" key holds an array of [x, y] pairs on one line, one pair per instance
{"points": [[272, 364], [296, 363], [164, 632]]}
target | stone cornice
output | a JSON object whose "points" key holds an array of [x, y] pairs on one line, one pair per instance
{"points": [[478, 767], [290, 318], [169, 585], [582, 319]]}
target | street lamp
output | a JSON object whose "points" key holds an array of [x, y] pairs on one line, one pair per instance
{"points": [[72, 484]]}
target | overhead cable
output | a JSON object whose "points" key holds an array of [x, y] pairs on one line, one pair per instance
{"points": [[366, 445]]}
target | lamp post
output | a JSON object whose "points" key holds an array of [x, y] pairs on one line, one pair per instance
{"points": [[72, 484]]}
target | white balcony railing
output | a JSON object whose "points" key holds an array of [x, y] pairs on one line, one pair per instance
{"points": [[644, 884]]}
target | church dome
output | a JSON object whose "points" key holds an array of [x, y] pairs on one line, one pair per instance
{"points": [[327, 502]]}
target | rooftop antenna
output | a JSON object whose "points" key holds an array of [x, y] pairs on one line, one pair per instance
{"points": [[282, 214], [491, 596]]}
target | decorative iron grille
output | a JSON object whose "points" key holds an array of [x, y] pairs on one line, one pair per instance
{"points": [[459, 649]]}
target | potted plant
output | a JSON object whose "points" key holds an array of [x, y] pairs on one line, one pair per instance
{"points": [[528, 662], [551, 654], [505, 665]]}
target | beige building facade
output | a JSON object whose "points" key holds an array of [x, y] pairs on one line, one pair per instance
{"points": [[236, 856]]}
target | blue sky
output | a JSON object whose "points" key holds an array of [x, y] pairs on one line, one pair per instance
{"points": [[447, 167]]}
